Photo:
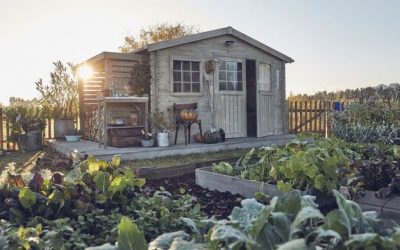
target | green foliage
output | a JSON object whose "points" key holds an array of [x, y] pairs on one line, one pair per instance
{"points": [[84, 209], [26, 197], [289, 222], [60, 96], [222, 168], [299, 165], [159, 213], [369, 122], [24, 118], [99, 183], [384, 94], [129, 236], [141, 77], [379, 170]]}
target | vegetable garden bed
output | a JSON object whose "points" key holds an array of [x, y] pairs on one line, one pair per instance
{"points": [[386, 208]]}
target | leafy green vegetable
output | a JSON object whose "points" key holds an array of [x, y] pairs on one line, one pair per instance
{"points": [[116, 161], [102, 180], [129, 236], [27, 197], [222, 168], [164, 241]]}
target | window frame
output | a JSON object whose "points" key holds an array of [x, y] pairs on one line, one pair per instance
{"points": [[231, 59], [271, 83], [171, 78]]}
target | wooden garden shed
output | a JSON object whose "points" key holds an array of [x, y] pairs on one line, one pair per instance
{"points": [[237, 81]]}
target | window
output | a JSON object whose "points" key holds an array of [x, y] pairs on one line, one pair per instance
{"points": [[230, 76], [186, 76], [264, 81]]}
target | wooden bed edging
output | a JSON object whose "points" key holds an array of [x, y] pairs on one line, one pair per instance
{"points": [[388, 208], [224, 183], [158, 173]]}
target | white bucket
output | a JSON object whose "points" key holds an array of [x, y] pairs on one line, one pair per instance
{"points": [[163, 139]]}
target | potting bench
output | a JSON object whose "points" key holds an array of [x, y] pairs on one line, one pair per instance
{"points": [[139, 104]]}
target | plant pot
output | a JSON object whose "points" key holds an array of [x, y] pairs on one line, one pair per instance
{"points": [[148, 143], [63, 127], [72, 138], [32, 141], [163, 139]]}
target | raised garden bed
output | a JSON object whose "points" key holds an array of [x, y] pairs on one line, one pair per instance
{"points": [[386, 208]]}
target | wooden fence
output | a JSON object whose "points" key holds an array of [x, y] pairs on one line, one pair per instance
{"points": [[5, 132], [310, 116]]}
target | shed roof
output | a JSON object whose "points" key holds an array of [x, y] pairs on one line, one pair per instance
{"points": [[210, 34]]}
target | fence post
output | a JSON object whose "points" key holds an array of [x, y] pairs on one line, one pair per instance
{"points": [[328, 124], [306, 116], [315, 116], [301, 116]]}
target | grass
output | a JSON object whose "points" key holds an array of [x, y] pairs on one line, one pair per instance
{"points": [[21, 160], [180, 160]]}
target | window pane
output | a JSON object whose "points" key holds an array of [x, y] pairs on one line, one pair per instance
{"points": [[222, 75], [177, 87], [195, 76], [222, 66], [186, 65], [195, 66], [231, 76], [177, 76], [239, 76], [239, 66], [196, 87], [177, 65], [222, 85], [265, 77], [186, 76], [231, 66], [231, 86], [239, 86], [186, 87]]}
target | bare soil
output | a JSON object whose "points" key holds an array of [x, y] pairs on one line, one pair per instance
{"points": [[213, 203]]}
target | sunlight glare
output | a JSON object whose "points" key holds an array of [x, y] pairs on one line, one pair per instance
{"points": [[85, 72]]}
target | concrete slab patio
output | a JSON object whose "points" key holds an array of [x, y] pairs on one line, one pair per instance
{"points": [[137, 153]]}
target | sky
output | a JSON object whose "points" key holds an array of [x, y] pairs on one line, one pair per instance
{"points": [[335, 44]]}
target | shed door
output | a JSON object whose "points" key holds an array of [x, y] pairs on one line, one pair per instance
{"points": [[231, 97], [265, 101]]}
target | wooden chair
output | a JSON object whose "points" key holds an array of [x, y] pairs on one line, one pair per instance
{"points": [[186, 124]]}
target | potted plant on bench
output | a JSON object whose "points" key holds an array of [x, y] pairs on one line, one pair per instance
{"points": [[148, 140], [163, 125]]}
